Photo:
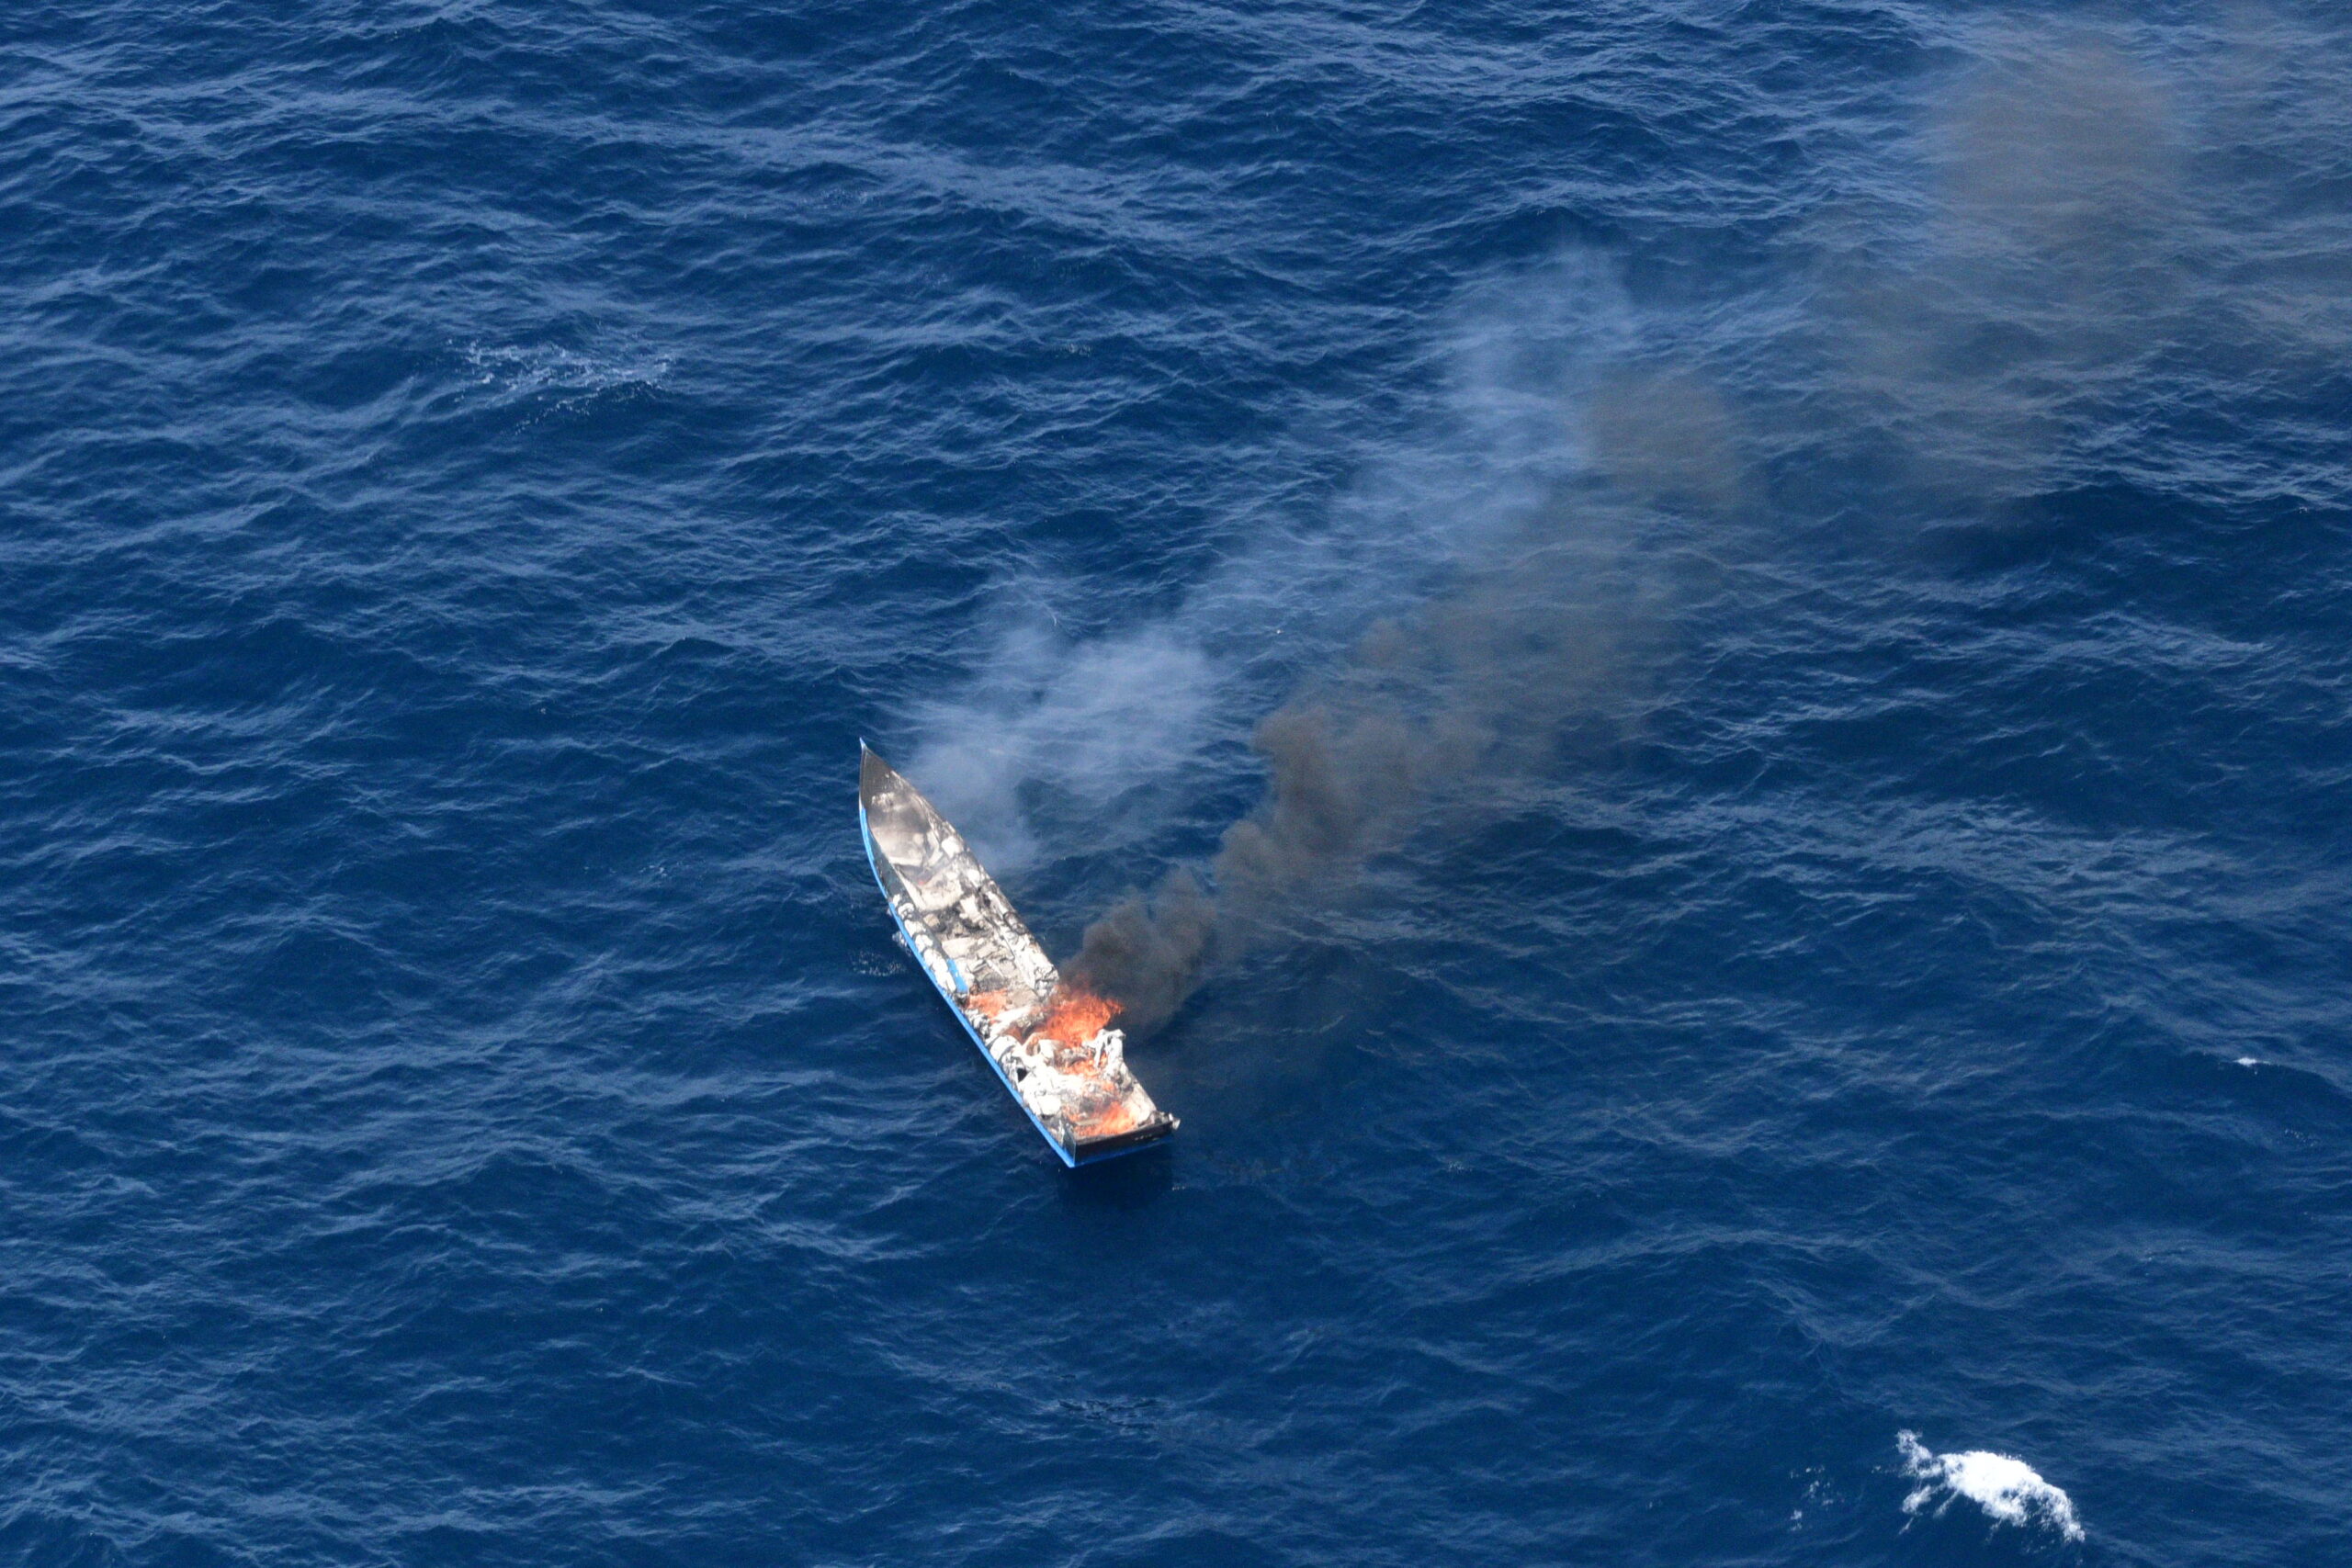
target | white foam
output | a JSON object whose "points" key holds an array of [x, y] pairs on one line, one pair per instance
{"points": [[2009, 1490]]}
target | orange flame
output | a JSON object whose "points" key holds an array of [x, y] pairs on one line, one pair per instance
{"points": [[1075, 1015]]}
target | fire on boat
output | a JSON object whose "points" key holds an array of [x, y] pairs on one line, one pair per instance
{"points": [[1051, 1041]]}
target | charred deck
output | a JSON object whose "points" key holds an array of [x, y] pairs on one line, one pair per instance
{"points": [[1051, 1044]]}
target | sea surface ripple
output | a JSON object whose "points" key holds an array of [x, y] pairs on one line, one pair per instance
{"points": [[1861, 1077]]}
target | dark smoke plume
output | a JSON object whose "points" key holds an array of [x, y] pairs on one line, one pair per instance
{"points": [[2102, 244], [1485, 676]]}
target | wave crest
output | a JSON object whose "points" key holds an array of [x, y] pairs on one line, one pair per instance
{"points": [[2008, 1489]]}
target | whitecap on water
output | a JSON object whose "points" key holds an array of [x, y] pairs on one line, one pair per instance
{"points": [[2010, 1490], [561, 377]]}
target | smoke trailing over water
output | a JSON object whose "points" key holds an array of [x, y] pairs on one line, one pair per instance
{"points": [[2109, 230], [1479, 683], [2096, 232], [2020, 317]]}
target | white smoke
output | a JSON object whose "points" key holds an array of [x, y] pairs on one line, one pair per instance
{"points": [[2009, 1490], [1103, 717]]}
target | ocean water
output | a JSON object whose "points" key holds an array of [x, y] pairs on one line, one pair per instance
{"points": [[1846, 1063]]}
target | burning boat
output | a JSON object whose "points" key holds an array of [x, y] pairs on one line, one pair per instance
{"points": [[1049, 1039]]}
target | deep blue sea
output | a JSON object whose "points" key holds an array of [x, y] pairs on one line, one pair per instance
{"points": [[1845, 1061]]}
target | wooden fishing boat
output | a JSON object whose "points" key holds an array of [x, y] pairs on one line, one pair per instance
{"points": [[1050, 1042]]}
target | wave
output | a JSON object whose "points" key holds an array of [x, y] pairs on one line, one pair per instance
{"points": [[2011, 1491]]}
